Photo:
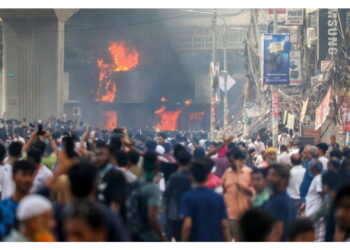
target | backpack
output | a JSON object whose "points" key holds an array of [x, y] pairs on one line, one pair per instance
{"points": [[134, 212]]}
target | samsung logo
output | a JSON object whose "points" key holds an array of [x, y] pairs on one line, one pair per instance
{"points": [[332, 31]]}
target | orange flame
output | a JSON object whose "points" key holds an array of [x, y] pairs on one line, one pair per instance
{"points": [[110, 120], [124, 59], [167, 119], [188, 102]]}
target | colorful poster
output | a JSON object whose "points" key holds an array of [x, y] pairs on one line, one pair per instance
{"points": [[322, 111], [276, 48], [345, 113], [295, 68]]}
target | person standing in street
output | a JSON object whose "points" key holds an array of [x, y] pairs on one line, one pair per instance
{"points": [[203, 210]]}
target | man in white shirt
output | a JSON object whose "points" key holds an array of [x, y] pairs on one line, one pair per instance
{"points": [[321, 152], [297, 173], [14, 154], [284, 157], [42, 173], [259, 145], [283, 139], [6, 187], [314, 195]]}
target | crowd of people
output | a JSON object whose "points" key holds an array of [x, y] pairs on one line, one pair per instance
{"points": [[63, 181]]}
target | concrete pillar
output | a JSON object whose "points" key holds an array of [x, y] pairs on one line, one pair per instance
{"points": [[33, 62]]}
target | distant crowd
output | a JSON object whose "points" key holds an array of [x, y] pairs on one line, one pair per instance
{"points": [[64, 181]]}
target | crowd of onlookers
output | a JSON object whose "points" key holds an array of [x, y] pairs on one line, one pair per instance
{"points": [[62, 181]]}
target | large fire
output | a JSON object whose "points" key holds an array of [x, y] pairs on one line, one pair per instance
{"points": [[110, 120], [168, 120], [124, 59]]}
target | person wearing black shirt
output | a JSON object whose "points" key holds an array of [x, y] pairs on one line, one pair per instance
{"points": [[178, 184], [280, 206]]}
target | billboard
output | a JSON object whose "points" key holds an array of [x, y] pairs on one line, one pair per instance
{"points": [[295, 68], [294, 17], [276, 52], [330, 32]]}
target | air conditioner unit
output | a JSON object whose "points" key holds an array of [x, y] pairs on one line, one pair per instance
{"points": [[310, 36], [76, 111]]}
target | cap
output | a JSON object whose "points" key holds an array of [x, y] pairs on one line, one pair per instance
{"points": [[31, 206]]}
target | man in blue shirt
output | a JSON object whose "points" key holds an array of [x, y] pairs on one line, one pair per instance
{"points": [[203, 210], [280, 206], [308, 154], [23, 173]]}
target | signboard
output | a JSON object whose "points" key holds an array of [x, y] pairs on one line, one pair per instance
{"points": [[295, 68], [292, 90], [294, 17], [279, 11], [276, 49], [329, 32], [322, 111], [303, 110], [229, 82], [345, 113]]}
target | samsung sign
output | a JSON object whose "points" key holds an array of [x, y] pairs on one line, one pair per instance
{"points": [[329, 32]]}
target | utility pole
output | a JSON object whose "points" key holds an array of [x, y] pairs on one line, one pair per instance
{"points": [[212, 90], [274, 97], [225, 79]]}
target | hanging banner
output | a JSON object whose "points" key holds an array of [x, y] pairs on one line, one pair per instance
{"points": [[322, 111], [295, 68], [294, 17], [275, 103], [303, 110], [345, 113], [290, 122], [347, 139], [276, 49]]}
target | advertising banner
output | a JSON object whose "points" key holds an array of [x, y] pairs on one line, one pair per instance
{"points": [[330, 32], [276, 52], [345, 113], [322, 111], [303, 110], [295, 68], [294, 17]]}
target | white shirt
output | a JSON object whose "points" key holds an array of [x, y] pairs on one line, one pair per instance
{"points": [[296, 178], [283, 139], [284, 158], [43, 175], [324, 162], [259, 146], [7, 186], [313, 199]]}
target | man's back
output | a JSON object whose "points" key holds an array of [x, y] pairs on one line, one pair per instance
{"points": [[207, 210], [282, 208], [179, 183], [296, 178]]}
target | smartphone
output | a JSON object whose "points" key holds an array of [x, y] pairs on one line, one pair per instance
{"points": [[40, 129]]}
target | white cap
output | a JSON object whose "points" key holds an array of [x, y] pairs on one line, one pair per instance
{"points": [[31, 206], [160, 149]]}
